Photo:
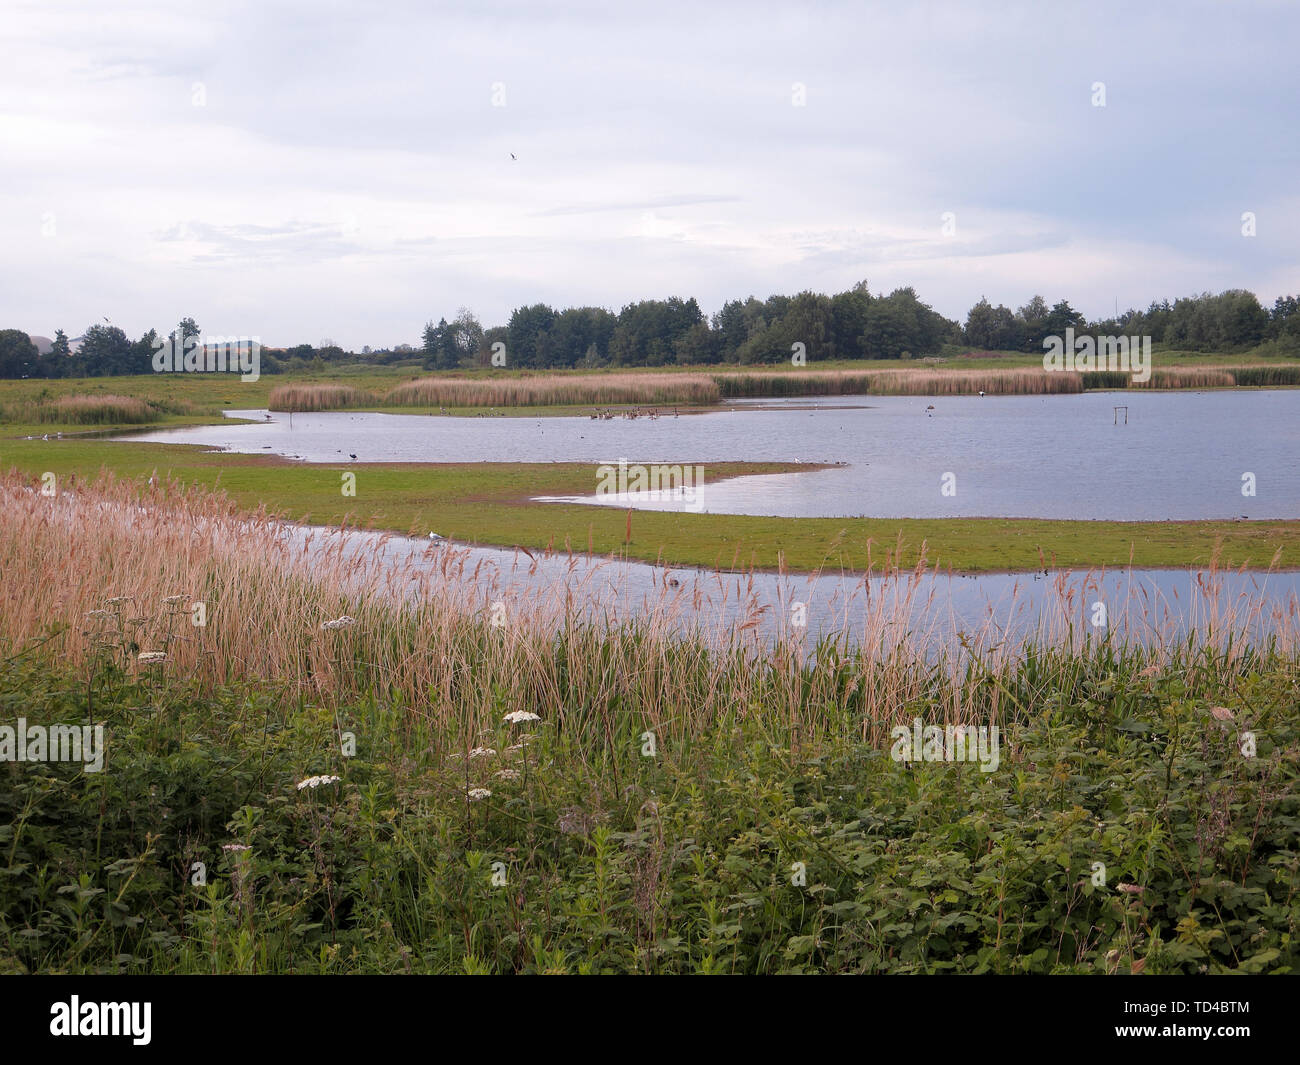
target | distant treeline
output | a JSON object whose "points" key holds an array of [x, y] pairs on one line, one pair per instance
{"points": [[849, 325], [1231, 321]]}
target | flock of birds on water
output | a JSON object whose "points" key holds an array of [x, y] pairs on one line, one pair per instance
{"points": [[604, 414]]}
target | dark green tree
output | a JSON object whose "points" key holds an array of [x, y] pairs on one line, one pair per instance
{"points": [[105, 351], [528, 336], [438, 346], [18, 355], [1062, 317], [1033, 323]]}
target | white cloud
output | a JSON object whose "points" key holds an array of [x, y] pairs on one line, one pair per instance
{"points": [[348, 175]]}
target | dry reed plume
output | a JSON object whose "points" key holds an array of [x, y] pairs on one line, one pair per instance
{"points": [[318, 397], [104, 559], [555, 390]]}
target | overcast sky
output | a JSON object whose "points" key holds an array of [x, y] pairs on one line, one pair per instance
{"points": [[300, 171]]}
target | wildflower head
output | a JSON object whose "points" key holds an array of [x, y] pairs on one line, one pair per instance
{"points": [[344, 622], [316, 782], [151, 658], [516, 717], [477, 794]]}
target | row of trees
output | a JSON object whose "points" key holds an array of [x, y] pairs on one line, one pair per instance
{"points": [[106, 351], [848, 325], [1232, 320]]}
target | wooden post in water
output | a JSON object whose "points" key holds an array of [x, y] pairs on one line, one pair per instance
{"points": [[1117, 410]]}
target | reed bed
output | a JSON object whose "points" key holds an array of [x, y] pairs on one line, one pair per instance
{"points": [[367, 728], [1266, 376], [901, 382], [82, 409], [112, 566], [810, 383], [1187, 377], [318, 397], [972, 382], [594, 389], [704, 389], [1106, 380]]}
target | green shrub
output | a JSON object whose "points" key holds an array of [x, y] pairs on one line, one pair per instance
{"points": [[584, 859]]}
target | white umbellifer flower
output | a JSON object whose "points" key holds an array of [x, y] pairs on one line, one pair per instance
{"points": [[237, 847], [507, 774], [316, 782], [171, 599], [95, 615], [338, 623], [150, 658], [475, 794], [482, 752], [118, 599], [517, 716]]}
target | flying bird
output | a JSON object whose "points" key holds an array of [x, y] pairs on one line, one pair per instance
{"points": [[514, 157]]}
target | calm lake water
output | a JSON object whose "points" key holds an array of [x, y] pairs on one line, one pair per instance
{"points": [[930, 612], [1181, 455]]}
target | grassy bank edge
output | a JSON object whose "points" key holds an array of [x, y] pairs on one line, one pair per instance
{"points": [[490, 505]]}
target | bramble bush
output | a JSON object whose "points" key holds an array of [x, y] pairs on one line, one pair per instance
{"points": [[196, 850]]}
